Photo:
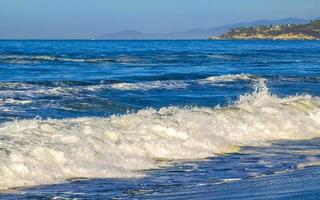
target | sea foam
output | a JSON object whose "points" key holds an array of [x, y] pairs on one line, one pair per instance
{"points": [[231, 78], [168, 85], [37, 152], [19, 59], [180, 84]]}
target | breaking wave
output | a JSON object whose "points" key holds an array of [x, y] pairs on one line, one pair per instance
{"points": [[37, 152], [57, 88], [184, 84], [18, 59], [231, 78], [150, 85], [52, 58]]}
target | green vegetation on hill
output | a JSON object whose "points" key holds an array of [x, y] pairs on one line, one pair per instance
{"points": [[310, 31]]}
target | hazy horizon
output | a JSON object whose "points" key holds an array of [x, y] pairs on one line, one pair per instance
{"points": [[79, 19]]}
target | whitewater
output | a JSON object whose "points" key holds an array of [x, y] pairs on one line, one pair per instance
{"points": [[159, 119], [37, 152]]}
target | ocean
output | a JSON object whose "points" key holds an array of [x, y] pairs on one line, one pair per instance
{"points": [[159, 119]]}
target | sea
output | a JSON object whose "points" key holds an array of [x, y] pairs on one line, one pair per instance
{"points": [[194, 119]]}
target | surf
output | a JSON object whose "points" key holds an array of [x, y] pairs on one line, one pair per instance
{"points": [[36, 152]]}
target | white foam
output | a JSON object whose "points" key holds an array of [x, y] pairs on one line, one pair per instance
{"points": [[14, 89], [64, 59], [169, 85], [38, 58], [29, 90], [229, 78], [14, 101], [184, 84], [41, 152]]}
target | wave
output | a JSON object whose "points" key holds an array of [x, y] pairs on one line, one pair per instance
{"points": [[184, 84], [150, 85], [14, 101], [299, 78], [25, 59], [231, 78], [13, 90], [19, 59], [52, 58], [65, 88], [30, 90], [37, 152], [223, 56]]}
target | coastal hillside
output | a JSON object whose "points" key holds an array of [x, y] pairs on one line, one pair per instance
{"points": [[309, 31], [198, 33]]}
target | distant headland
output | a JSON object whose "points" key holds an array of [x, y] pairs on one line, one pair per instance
{"points": [[260, 29], [197, 33], [309, 31]]}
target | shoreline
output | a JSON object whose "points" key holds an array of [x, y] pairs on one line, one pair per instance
{"points": [[258, 39]]}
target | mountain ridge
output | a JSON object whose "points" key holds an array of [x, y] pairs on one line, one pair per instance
{"points": [[198, 33]]}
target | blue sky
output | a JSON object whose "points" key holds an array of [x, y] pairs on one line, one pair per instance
{"points": [[90, 18]]}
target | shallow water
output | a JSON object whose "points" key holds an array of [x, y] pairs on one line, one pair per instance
{"points": [[285, 170], [90, 109]]}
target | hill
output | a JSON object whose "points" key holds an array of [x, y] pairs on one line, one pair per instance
{"points": [[309, 31], [197, 33]]}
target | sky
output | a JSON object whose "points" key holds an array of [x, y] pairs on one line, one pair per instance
{"points": [[71, 19]]}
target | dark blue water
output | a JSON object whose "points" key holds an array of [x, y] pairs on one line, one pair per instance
{"points": [[53, 74], [73, 79]]}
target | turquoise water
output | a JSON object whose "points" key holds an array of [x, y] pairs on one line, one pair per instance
{"points": [[159, 119]]}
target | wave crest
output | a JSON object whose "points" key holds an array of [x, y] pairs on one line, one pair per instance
{"points": [[41, 152], [150, 85]]}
